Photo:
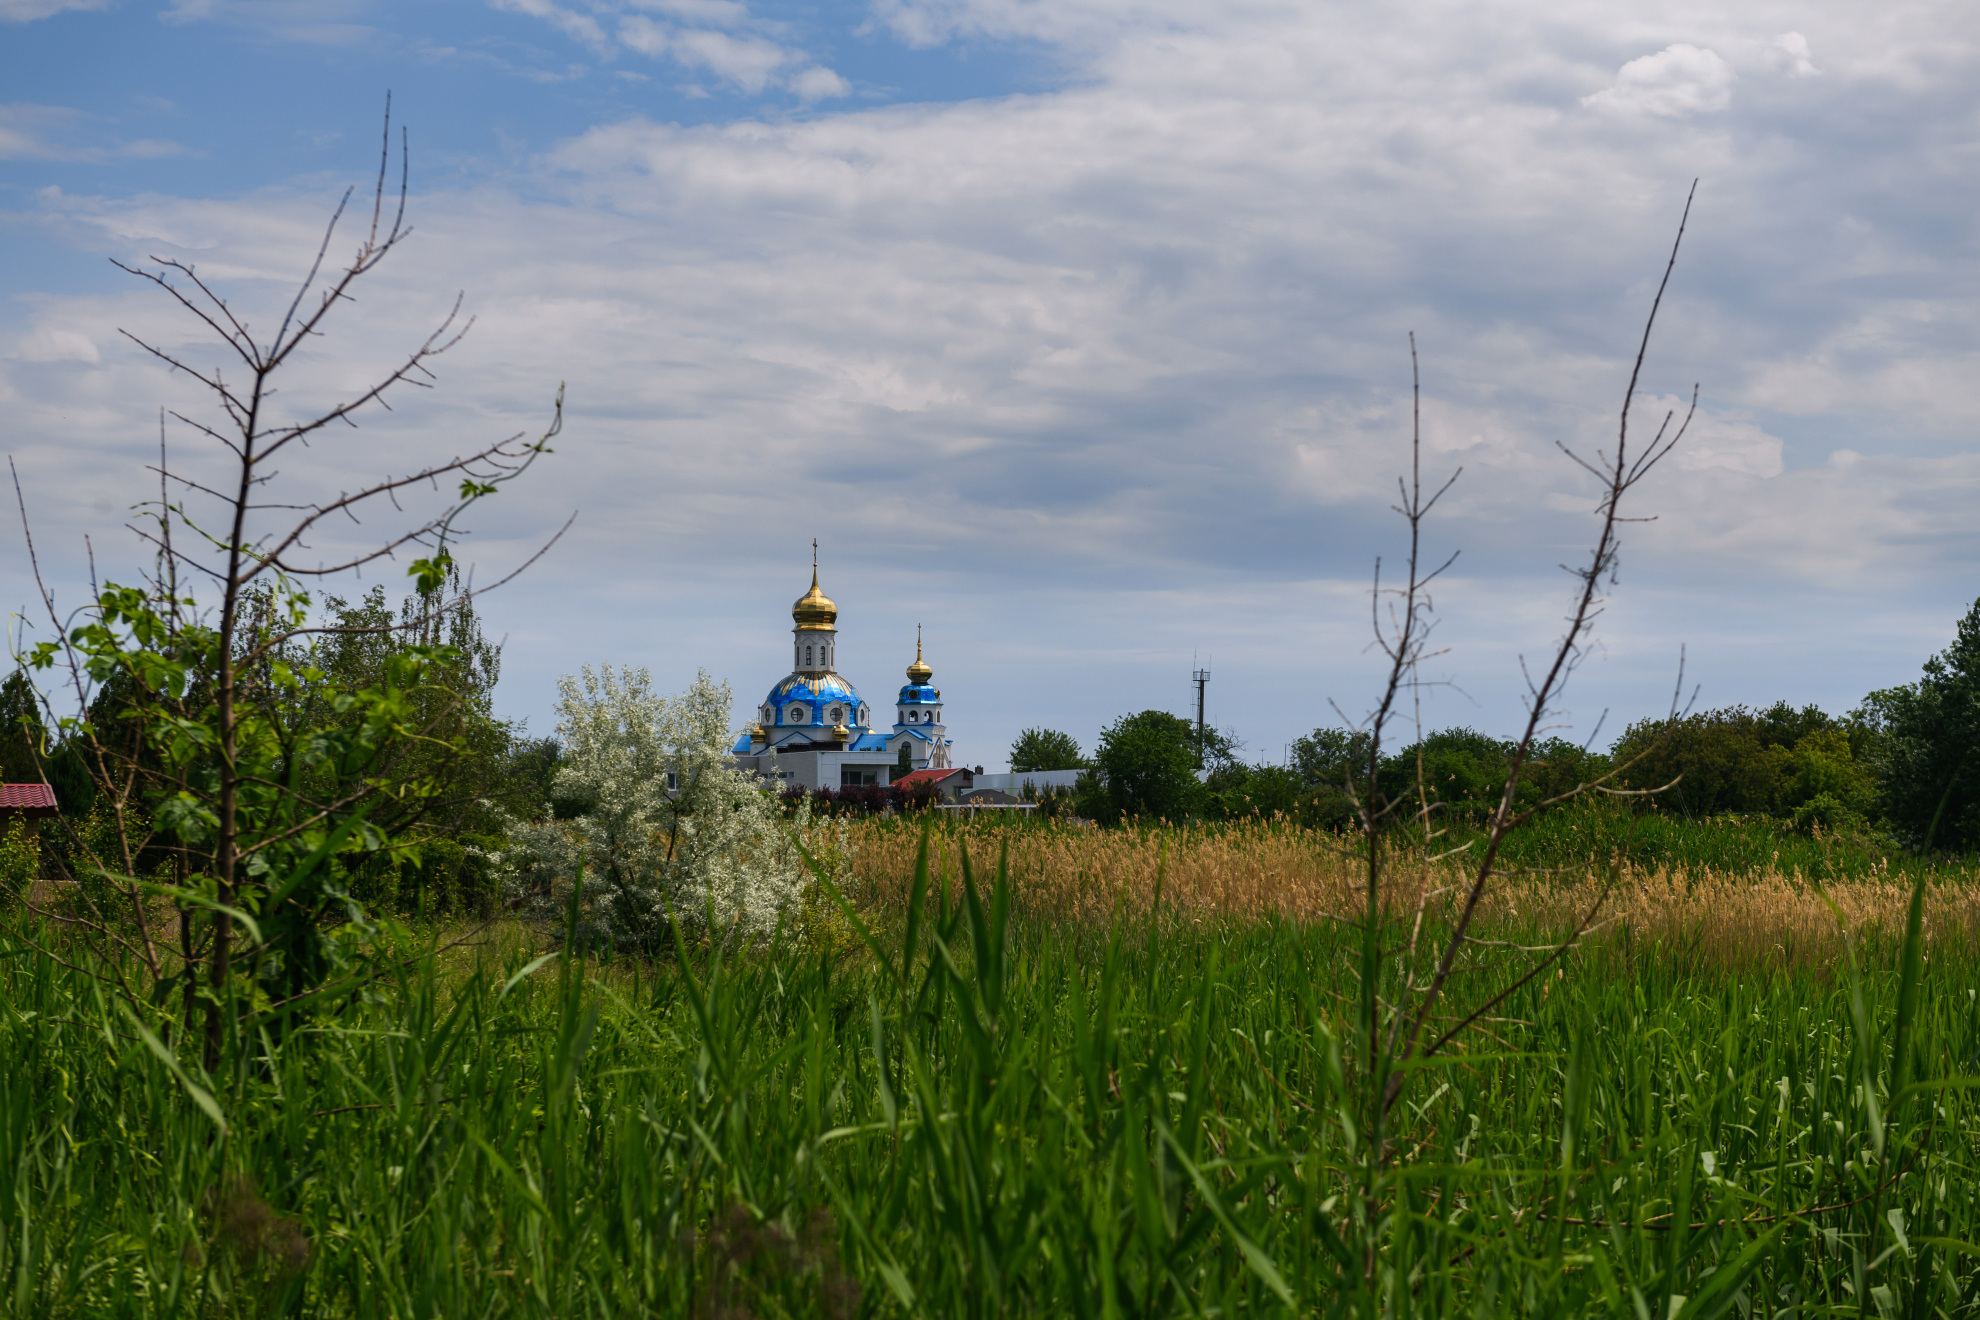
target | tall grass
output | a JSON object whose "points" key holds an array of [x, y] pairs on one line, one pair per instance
{"points": [[996, 1113], [1736, 916]]}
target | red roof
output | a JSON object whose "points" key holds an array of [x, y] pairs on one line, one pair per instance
{"points": [[28, 799], [927, 776]]}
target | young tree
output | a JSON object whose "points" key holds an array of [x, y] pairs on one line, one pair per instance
{"points": [[670, 830], [225, 785], [1045, 749], [1404, 1014]]}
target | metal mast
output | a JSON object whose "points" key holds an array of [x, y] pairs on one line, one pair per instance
{"points": [[1200, 677]]}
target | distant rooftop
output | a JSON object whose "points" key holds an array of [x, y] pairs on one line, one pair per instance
{"points": [[28, 800]]}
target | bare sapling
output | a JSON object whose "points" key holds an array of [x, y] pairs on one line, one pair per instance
{"points": [[228, 769], [1402, 1001]]}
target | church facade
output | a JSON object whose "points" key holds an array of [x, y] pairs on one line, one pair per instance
{"points": [[813, 730]]}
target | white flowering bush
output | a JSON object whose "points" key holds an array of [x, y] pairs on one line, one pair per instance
{"points": [[669, 827]]}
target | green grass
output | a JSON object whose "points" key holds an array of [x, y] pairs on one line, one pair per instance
{"points": [[1029, 1121], [1728, 845]]}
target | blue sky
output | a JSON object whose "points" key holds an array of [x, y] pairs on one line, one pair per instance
{"points": [[1075, 332]]}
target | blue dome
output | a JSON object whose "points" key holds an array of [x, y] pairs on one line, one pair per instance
{"points": [[820, 696], [920, 694]]}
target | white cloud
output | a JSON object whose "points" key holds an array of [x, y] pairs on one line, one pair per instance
{"points": [[1678, 80], [711, 13], [1714, 440], [1120, 369], [53, 132], [26, 11], [817, 84], [582, 28], [1795, 54], [47, 344], [720, 37]]}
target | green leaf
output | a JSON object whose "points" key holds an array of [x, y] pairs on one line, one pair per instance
{"points": [[200, 1095]]}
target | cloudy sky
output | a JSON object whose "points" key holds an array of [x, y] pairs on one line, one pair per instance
{"points": [[1073, 331]]}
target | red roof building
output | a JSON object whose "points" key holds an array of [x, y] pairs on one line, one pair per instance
{"points": [[27, 801], [947, 782]]}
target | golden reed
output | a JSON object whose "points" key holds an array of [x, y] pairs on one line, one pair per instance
{"points": [[1077, 875]]}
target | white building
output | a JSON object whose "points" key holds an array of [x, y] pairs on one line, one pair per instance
{"points": [[813, 729]]}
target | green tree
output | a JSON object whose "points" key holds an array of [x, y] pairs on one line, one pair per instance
{"points": [[1827, 784], [1731, 760], [1216, 749], [1462, 770], [1928, 736], [23, 738], [1045, 749], [210, 732], [478, 768], [1237, 791], [1149, 764], [1329, 756]]}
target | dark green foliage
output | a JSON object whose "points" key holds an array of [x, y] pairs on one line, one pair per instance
{"points": [[1929, 742], [1328, 762], [1235, 791], [1463, 773], [1149, 764], [1596, 830], [23, 738], [1799, 764], [1461, 769], [435, 878], [1045, 749], [1330, 756], [467, 761]]}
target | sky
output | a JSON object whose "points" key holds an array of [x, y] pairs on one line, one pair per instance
{"points": [[1074, 332]]}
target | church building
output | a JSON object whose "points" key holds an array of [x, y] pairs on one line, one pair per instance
{"points": [[814, 730]]}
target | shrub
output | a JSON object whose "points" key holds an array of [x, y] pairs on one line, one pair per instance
{"points": [[674, 830], [1741, 761]]}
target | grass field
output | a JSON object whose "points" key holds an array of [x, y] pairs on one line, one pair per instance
{"points": [[1042, 1096]]}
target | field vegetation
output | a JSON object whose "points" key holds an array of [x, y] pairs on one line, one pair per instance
{"points": [[1022, 1101]]}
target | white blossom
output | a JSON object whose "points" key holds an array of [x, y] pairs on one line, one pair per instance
{"points": [[670, 825]]}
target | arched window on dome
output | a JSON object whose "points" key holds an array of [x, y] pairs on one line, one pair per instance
{"points": [[807, 656]]}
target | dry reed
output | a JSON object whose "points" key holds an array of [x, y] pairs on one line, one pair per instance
{"points": [[1087, 876]]}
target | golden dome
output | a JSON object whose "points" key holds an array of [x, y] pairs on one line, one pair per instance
{"points": [[918, 673], [814, 610]]}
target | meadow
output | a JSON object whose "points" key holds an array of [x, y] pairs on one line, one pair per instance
{"points": [[1041, 1071]]}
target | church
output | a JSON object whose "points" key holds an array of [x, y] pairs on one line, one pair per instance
{"points": [[814, 730]]}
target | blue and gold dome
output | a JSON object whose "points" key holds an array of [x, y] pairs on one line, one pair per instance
{"points": [[822, 701], [919, 691]]}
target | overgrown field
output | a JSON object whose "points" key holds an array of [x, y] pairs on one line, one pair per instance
{"points": [[1739, 894], [1036, 1096]]}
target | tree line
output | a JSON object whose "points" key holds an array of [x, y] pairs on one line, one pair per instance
{"points": [[1902, 763]]}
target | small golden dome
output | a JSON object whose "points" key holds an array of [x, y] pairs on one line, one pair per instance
{"points": [[814, 610], [918, 672]]}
